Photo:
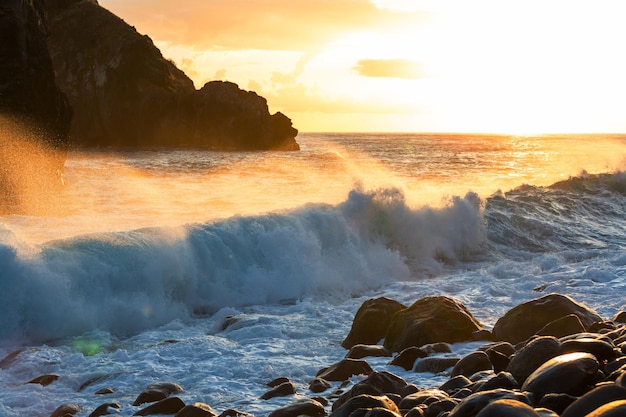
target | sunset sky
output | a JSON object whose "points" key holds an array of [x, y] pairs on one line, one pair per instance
{"points": [[507, 66]]}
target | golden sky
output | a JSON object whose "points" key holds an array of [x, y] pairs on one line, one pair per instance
{"points": [[508, 66]]}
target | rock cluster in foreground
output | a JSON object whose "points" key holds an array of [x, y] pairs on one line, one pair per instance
{"points": [[547, 357], [125, 94]]}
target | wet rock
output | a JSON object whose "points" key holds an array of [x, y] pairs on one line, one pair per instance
{"points": [[563, 326], [66, 410], [438, 407], [376, 384], [508, 408], [277, 381], [105, 391], [424, 397], [380, 412], [473, 404], [319, 385], [364, 401], [532, 355], [501, 380], [435, 364], [455, 383], [9, 359], [602, 350], [282, 390], [556, 402], [612, 409], [594, 399], [344, 369], [197, 410], [406, 359], [157, 391], [171, 405], [620, 317], [104, 409], [371, 321], [499, 361], [44, 380], [472, 363], [430, 320], [231, 412], [572, 373], [525, 320], [362, 351]]}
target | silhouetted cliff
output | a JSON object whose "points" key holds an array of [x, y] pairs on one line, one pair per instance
{"points": [[34, 115], [126, 95]]}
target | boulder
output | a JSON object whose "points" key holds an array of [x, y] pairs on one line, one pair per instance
{"points": [[530, 357], [366, 402], [527, 319], [435, 364], [344, 369], [171, 405], [196, 410], [371, 321], [472, 363], [594, 399], [281, 390], [377, 383], [305, 407], [362, 351], [572, 373], [473, 404], [509, 408], [430, 320], [613, 409], [157, 391], [127, 95], [68, 409]]}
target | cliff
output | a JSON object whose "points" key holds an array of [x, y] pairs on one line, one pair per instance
{"points": [[34, 115], [126, 95]]}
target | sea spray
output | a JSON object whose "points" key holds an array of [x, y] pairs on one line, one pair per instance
{"points": [[125, 282]]}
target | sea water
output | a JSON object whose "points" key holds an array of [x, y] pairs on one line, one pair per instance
{"points": [[223, 271]]}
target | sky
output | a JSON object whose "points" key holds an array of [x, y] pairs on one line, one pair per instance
{"points": [[497, 66]]}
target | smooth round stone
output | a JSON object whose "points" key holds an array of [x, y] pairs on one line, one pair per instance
{"points": [[572, 373], [509, 408], [612, 409], [595, 398]]}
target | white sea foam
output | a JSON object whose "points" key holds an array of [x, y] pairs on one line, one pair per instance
{"points": [[222, 305]]}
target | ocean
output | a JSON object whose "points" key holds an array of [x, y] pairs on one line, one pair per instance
{"points": [[223, 271]]}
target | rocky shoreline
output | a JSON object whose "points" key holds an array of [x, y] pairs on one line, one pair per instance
{"points": [[550, 356]]}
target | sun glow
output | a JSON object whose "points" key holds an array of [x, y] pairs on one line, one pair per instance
{"points": [[396, 65]]}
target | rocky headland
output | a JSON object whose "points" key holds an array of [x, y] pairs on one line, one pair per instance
{"points": [[125, 94], [550, 356]]}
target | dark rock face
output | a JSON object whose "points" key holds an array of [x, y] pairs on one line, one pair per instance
{"points": [[371, 321], [526, 319], [35, 116], [430, 320], [126, 95]]}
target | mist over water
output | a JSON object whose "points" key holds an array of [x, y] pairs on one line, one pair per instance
{"points": [[124, 191], [223, 271]]}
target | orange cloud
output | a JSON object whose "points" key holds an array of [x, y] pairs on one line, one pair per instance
{"points": [[262, 24], [390, 68]]}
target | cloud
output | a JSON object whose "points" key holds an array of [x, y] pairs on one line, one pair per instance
{"points": [[390, 68], [261, 24]]}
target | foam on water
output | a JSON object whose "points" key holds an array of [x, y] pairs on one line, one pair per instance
{"points": [[128, 281], [224, 305]]}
